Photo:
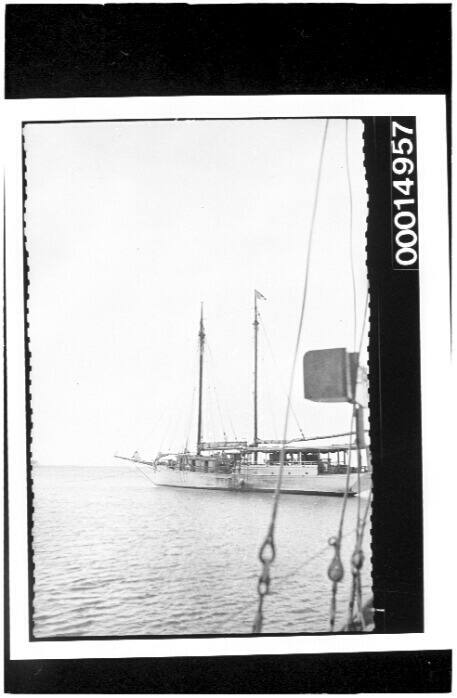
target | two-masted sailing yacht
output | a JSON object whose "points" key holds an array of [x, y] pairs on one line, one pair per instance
{"points": [[309, 467]]}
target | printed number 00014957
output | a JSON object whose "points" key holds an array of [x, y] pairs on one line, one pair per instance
{"points": [[404, 208]]}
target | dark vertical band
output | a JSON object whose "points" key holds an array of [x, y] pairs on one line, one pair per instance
{"points": [[395, 405]]}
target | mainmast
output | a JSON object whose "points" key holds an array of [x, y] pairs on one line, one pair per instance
{"points": [[256, 333], [201, 337], [257, 295]]}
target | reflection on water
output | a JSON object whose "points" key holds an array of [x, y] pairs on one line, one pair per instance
{"points": [[115, 555]]}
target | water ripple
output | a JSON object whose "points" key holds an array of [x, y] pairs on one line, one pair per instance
{"points": [[116, 556]]}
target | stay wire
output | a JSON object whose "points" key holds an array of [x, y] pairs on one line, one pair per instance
{"points": [[362, 335], [176, 421], [270, 402], [294, 414], [309, 559], [267, 550], [210, 422], [166, 431], [224, 431], [191, 414], [227, 413], [280, 580], [356, 621], [216, 397], [176, 415], [336, 570], [141, 472], [351, 215]]}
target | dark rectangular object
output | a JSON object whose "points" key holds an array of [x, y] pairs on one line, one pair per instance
{"points": [[359, 380], [121, 50], [327, 376], [360, 672], [395, 405]]}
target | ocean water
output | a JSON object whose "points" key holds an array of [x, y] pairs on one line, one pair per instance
{"points": [[115, 555]]}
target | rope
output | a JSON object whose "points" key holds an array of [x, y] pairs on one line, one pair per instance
{"points": [[176, 415], [210, 403], [209, 412], [351, 250], [176, 422], [232, 427], [267, 550], [280, 580], [165, 433], [140, 471], [365, 314], [309, 559], [336, 571], [270, 401], [189, 424], [356, 621], [220, 413], [264, 330], [227, 413]]}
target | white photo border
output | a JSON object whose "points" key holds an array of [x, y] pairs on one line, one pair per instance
{"points": [[430, 113]]}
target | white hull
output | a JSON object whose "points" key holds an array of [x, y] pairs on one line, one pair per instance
{"points": [[256, 481]]}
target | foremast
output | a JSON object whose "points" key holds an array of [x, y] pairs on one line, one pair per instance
{"points": [[201, 338], [257, 296]]}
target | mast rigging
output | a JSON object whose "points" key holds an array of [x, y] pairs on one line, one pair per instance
{"points": [[201, 337], [256, 323]]}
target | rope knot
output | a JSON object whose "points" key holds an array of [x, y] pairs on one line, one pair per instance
{"points": [[263, 585], [335, 570], [355, 626], [357, 560], [267, 552]]}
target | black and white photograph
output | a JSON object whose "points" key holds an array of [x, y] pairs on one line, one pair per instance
{"points": [[198, 322], [218, 448], [227, 328]]}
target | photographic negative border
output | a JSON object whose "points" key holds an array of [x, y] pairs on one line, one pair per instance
{"points": [[217, 49], [375, 191], [379, 251], [61, 65]]}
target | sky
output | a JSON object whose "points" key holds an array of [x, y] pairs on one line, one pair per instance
{"points": [[131, 225]]}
